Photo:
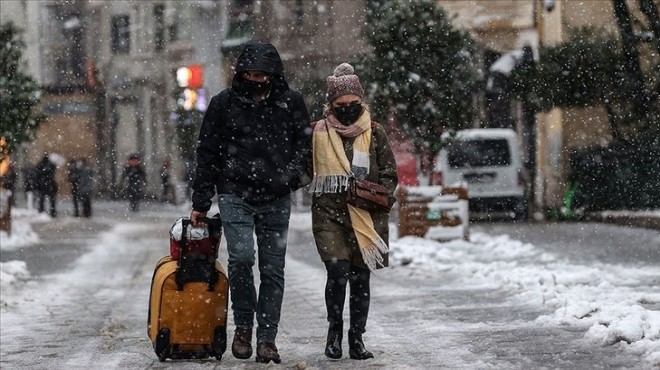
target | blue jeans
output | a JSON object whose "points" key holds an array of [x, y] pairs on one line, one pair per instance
{"points": [[270, 223]]}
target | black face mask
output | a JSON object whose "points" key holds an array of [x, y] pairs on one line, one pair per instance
{"points": [[252, 88], [348, 114]]}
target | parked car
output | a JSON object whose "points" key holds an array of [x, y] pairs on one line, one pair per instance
{"points": [[488, 162]]}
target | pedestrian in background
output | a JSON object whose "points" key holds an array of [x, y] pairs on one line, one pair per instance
{"points": [[253, 147], [165, 182], [85, 186], [134, 181], [30, 185], [351, 241], [46, 184], [73, 175]]}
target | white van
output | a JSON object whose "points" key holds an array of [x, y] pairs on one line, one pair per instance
{"points": [[488, 161]]}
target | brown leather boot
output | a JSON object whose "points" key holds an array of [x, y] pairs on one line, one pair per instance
{"points": [[241, 347], [267, 352]]}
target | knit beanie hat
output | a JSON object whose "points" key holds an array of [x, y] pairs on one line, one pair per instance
{"points": [[343, 82]]}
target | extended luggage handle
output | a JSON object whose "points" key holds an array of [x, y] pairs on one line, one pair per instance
{"points": [[193, 268], [214, 225]]}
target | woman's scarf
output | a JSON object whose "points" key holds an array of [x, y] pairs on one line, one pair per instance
{"points": [[332, 172]]}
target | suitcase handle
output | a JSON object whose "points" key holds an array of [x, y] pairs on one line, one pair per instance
{"points": [[214, 226]]}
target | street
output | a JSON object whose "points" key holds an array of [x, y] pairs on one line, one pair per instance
{"points": [[85, 304]]}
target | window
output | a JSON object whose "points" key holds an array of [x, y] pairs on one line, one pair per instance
{"points": [[121, 34], [299, 13], [159, 27], [305, 15], [479, 153], [244, 3]]}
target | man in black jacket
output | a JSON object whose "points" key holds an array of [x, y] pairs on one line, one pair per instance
{"points": [[252, 150]]}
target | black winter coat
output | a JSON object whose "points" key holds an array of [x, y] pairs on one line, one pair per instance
{"points": [[256, 150], [45, 177], [136, 180]]}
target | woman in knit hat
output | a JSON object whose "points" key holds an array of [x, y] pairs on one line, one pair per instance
{"points": [[351, 241]]}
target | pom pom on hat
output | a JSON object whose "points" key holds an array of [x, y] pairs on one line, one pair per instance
{"points": [[343, 82], [343, 70]]}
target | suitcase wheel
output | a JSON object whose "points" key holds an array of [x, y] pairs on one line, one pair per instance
{"points": [[219, 341], [162, 345]]}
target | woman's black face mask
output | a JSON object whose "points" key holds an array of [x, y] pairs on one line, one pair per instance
{"points": [[348, 114]]}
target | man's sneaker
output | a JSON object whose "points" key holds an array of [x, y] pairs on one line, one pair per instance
{"points": [[241, 347], [267, 352]]}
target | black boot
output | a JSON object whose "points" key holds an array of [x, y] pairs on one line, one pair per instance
{"points": [[335, 294], [333, 344], [359, 309], [356, 348]]}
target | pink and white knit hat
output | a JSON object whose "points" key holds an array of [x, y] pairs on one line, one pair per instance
{"points": [[343, 82]]}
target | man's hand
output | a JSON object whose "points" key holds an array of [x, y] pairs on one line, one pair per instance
{"points": [[195, 216]]}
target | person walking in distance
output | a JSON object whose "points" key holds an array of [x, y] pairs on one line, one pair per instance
{"points": [[253, 147], [350, 241], [85, 186], [135, 179], [73, 175], [30, 185], [167, 194], [46, 184]]}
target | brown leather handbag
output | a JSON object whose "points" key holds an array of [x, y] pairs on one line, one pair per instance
{"points": [[368, 195], [365, 194]]}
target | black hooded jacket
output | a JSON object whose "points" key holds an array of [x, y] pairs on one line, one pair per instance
{"points": [[256, 150]]}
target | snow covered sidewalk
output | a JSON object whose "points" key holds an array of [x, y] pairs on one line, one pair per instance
{"points": [[493, 302]]}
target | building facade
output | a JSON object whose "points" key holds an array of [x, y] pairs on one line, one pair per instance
{"points": [[121, 88], [108, 69], [140, 47], [55, 57], [506, 26]]}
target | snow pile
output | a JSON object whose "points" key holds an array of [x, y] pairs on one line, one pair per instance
{"points": [[11, 274], [617, 305], [21, 231], [22, 235]]}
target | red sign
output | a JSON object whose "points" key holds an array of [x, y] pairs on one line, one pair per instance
{"points": [[191, 76], [196, 76]]}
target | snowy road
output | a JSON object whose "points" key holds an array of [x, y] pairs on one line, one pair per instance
{"points": [[492, 303]]}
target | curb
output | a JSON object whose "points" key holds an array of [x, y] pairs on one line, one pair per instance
{"points": [[647, 222]]}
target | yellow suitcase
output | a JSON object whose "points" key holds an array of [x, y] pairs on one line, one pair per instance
{"points": [[188, 307]]}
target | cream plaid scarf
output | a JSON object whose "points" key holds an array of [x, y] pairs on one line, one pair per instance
{"points": [[331, 174]]}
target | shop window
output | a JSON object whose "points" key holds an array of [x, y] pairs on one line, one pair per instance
{"points": [[121, 34], [159, 27]]}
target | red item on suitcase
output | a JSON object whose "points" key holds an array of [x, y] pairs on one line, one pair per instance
{"points": [[204, 247]]}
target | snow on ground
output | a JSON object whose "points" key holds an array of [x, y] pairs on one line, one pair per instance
{"points": [[615, 304], [21, 232], [604, 298], [13, 273], [649, 212]]}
